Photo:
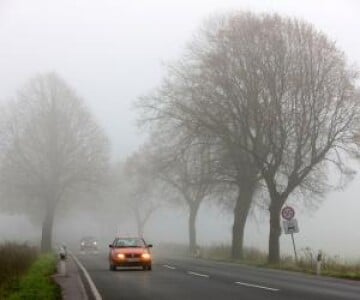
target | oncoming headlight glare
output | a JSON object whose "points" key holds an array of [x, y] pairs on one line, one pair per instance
{"points": [[120, 255], [145, 256]]}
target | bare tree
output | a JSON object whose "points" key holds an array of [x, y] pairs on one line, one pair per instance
{"points": [[275, 91], [191, 103], [304, 111], [187, 170], [52, 147], [142, 188]]}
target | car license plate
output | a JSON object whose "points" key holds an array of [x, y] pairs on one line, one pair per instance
{"points": [[133, 259]]}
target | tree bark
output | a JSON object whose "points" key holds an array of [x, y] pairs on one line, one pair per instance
{"points": [[241, 211], [275, 231], [192, 228], [47, 228]]}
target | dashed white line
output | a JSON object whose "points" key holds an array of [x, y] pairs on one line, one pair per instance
{"points": [[257, 286], [169, 267], [198, 274]]}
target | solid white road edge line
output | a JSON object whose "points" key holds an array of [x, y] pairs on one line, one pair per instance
{"points": [[169, 267], [198, 274], [93, 288], [257, 286]]}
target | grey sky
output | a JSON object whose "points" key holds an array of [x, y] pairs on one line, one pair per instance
{"points": [[111, 52]]}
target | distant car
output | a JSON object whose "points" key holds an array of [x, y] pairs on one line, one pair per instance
{"points": [[130, 252], [88, 243]]}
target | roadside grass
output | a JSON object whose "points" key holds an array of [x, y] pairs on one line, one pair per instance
{"points": [[24, 274], [332, 266], [15, 260], [37, 283]]}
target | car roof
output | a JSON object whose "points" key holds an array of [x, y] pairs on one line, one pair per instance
{"points": [[88, 238], [129, 237]]}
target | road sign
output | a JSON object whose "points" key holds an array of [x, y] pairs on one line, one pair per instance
{"points": [[290, 226], [288, 213]]}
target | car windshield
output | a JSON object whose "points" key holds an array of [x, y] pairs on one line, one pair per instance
{"points": [[88, 239], [129, 242]]}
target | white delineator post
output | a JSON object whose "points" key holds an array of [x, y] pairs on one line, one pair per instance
{"points": [[318, 263], [62, 267], [62, 263]]}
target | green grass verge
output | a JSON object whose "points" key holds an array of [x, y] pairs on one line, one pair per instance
{"points": [[37, 283], [15, 261]]}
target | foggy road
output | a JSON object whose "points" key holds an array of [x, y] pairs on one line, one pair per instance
{"points": [[184, 278]]}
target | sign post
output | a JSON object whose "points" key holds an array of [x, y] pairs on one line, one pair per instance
{"points": [[290, 224], [292, 237]]}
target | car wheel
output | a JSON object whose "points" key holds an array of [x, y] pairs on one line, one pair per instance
{"points": [[147, 268]]}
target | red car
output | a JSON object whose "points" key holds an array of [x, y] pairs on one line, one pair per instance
{"points": [[129, 252]]}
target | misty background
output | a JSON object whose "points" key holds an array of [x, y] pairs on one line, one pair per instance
{"points": [[112, 52]]}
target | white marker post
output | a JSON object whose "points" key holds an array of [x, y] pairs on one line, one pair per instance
{"points": [[318, 263], [290, 225], [62, 263]]}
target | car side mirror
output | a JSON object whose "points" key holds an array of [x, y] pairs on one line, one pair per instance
{"points": [[149, 246], [110, 246]]}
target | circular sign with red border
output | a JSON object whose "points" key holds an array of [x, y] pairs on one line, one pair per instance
{"points": [[288, 213]]}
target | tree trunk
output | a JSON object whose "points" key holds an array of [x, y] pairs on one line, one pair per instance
{"points": [[192, 228], [241, 211], [275, 231], [47, 228]]}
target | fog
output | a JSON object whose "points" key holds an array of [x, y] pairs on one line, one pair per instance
{"points": [[112, 52]]}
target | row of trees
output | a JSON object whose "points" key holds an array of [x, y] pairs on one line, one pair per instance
{"points": [[256, 102]]}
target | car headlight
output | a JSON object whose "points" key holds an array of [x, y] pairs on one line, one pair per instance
{"points": [[120, 256], [145, 256], [82, 244], [95, 243]]}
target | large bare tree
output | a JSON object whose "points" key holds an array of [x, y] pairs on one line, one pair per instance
{"points": [[192, 103], [52, 146], [299, 103], [276, 92]]}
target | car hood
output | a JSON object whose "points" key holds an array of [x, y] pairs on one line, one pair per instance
{"points": [[130, 250]]}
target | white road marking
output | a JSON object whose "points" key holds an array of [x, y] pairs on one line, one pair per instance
{"points": [[257, 286], [93, 288], [169, 267], [198, 274]]}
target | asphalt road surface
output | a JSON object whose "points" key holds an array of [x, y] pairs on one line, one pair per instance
{"points": [[183, 278]]}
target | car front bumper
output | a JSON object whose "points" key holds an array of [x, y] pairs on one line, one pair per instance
{"points": [[130, 263]]}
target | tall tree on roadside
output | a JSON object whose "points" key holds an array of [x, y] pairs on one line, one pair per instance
{"points": [[298, 102], [142, 188], [52, 146], [276, 90], [187, 170], [193, 100]]}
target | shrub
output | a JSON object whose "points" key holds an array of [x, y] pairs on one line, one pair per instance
{"points": [[37, 283], [15, 260]]}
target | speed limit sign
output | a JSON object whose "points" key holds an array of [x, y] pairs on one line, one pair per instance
{"points": [[288, 213]]}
